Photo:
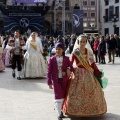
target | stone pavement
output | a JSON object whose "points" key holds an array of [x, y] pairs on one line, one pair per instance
{"points": [[31, 99]]}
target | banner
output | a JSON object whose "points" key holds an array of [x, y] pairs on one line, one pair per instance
{"points": [[78, 21], [12, 23], [30, 1]]}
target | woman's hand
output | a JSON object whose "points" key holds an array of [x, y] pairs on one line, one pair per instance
{"points": [[51, 86]]}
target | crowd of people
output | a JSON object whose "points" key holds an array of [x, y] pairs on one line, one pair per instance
{"points": [[106, 44], [77, 81]]}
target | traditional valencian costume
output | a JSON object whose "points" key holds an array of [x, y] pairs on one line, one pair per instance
{"points": [[57, 65], [16, 53], [34, 63], [85, 96]]}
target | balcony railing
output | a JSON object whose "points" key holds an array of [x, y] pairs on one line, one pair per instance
{"points": [[106, 18]]}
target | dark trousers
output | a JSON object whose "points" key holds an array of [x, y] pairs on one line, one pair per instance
{"points": [[103, 59], [16, 61], [96, 55], [111, 55]]}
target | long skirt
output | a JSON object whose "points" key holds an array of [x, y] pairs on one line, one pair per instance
{"points": [[85, 96], [34, 65]]}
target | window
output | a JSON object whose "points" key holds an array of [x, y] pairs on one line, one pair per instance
{"points": [[106, 2], [106, 30], [85, 14], [92, 14], [92, 2], [92, 24], [106, 15], [84, 2], [117, 11], [116, 1], [85, 25], [116, 31]]}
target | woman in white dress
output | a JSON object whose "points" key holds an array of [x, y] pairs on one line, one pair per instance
{"points": [[34, 63]]}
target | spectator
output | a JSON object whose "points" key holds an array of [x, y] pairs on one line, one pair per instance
{"points": [[72, 42], [118, 45], [102, 50], [95, 47], [111, 46], [29, 32], [50, 45]]}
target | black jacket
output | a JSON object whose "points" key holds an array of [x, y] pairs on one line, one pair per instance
{"points": [[111, 44]]}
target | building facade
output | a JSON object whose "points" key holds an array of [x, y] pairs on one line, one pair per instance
{"points": [[110, 16], [91, 19], [56, 16]]}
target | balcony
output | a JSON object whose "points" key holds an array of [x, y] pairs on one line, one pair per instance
{"points": [[106, 18]]}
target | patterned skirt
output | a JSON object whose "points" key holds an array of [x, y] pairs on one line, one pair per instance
{"points": [[85, 96]]}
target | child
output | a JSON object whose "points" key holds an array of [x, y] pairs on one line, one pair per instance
{"points": [[57, 76]]}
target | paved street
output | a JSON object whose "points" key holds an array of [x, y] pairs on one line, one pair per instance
{"points": [[30, 99]]}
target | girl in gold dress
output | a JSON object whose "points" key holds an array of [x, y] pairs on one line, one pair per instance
{"points": [[85, 96]]}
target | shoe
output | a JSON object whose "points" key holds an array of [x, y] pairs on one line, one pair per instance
{"points": [[19, 78], [59, 118], [61, 115], [109, 61], [13, 74]]}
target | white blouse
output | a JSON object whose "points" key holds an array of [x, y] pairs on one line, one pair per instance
{"points": [[59, 63]]}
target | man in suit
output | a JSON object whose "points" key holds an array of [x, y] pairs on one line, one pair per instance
{"points": [[111, 46], [16, 57]]}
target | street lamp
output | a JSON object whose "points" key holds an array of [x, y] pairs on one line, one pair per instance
{"points": [[114, 20]]}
